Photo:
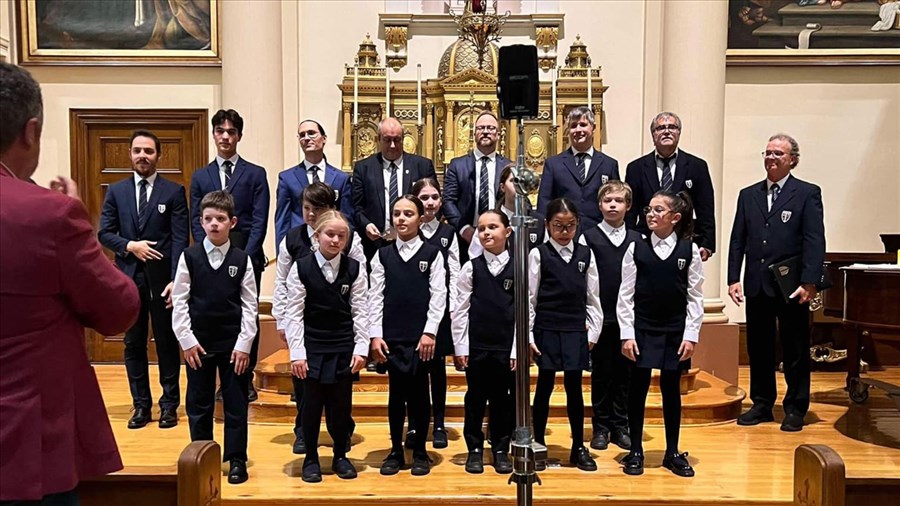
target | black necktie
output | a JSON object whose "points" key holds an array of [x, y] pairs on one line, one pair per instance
{"points": [[142, 200], [315, 174], [776, 189], [580, 167], [483, 192], [227, 166], [393, 187], [665, 182]]}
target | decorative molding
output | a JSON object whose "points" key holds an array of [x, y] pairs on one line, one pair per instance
{"points": [[395, 42], [546, 38]]}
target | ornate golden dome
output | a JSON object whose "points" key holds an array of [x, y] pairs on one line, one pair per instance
{"points": [[462, 55]]}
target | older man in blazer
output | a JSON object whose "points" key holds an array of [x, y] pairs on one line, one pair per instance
{"points": [[380, 179], [472, 180], [144, 221], [672, 169], [578, 172], [777, 219]]}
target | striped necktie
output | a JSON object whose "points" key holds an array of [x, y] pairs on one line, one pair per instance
{"points": [[581, 166], [392, 191], [483, 191], [227, 165], [665, 182], [142, 200]]}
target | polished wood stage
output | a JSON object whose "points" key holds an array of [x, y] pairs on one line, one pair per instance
{"points": [[735, 465]]}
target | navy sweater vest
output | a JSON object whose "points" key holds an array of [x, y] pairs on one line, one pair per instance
{"points": [[609, 267], [660, 294], [407, 293], [562, 296], [215, 301], [492, 313], [328, 322], [299, 244]]}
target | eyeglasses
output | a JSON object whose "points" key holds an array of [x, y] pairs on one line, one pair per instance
{"points": [[485, 128], [312, 134], [663, 128], [659, 212], [559, 227], [776, 154]]}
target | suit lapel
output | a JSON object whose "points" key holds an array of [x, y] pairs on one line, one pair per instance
{"points": [[499, 163], [596, 162], [784, 196], [760, 197], [681, 168], [131, 201], [650, 173], [152, 204], [300, 174], [378, 180], [239, 171], [329, 175], [569, 163]]}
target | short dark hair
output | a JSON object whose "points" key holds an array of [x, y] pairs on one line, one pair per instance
{"points": [[20, 100], [231, 115], [321, 129], [320, 194], [220, 200], [149, 134]]}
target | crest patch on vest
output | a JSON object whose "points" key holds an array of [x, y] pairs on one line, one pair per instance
{"points": [[532, 237], [785, 216], [345, 289], [444, 241], [507, 284], [681, 264], [232, 270], [688, 183], [161, 208], [580, 266], [604, 179], [423, 266]]}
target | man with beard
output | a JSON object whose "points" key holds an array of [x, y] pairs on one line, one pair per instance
{"points": [[144, 221]]}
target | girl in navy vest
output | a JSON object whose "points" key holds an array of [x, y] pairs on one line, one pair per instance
{"points": [[566, 321], [444, 237], [327, 330], [318, 198], [483, 336], [660, 309], [408, 297]]}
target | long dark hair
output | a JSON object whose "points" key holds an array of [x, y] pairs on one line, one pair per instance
{"points": [[505, 174], [680, 203], [560, 206]]}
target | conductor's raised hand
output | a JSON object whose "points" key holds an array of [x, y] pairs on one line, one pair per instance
{"points": [[240, 360], [380, 350], [357, 363], [686, 350], [426, 347], [630, 349], [300, 368], [193, 355]]}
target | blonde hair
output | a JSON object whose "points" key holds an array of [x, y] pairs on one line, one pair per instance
{"points": [[328, 217], [615, 186]]}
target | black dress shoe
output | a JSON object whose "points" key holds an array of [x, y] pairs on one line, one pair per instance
{"points": [[502, 463], [474, 462], [140, 418], [312, 471], [633, 464], [238, 472], [756, 415], [600, 441], [621, 439], [392, 464], [440, 438], [343, 468], [252, 394], [678, 464], [792, 423], [168, 418], [410, 439], [421, 465], [372, 367], [582, 459], [299, 445]]}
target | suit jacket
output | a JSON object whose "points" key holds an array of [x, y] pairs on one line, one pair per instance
{"points": [[692, 176], [54, 282], [794, 226], [289, 197], [460, 193], [250, 190], [166, 222], [560, 179], [367, 187]]}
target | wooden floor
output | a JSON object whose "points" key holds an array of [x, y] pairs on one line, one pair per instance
{"points": [[735, 465]]}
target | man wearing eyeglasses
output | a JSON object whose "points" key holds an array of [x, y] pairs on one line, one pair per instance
{"points": [[578, 172], [675, 170], [313, 168], [472, 180], [777, 219]]}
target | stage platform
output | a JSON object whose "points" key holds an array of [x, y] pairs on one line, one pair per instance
{"points": [[735, 465]]}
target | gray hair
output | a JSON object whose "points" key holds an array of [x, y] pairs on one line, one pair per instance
{"points": [[579, 112], [20, 100], [664, 115], [795, 147]]}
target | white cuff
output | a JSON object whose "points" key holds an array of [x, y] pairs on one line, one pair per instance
{"points": [[627, 333], [361, 349], [692, 336], [461, 350], [188, 341], [298, 353]]}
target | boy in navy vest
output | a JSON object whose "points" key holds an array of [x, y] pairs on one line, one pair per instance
{"points": [[215, 322], [610, 369]]}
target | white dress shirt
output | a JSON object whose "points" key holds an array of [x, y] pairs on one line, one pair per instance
{"points": [[491, 170], [615, 235], [475, 247], [659, 165], [428, 230], [401, 190], [437, 287], [594, 320], [320, 169], [295, 329], [770, 184], [221, 161], [181, 294], [459, 323], [151, 182], [663, 249], [283, 266]]}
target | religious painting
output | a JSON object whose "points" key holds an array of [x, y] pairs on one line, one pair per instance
{"points": [[813, 32], [118, 32]]}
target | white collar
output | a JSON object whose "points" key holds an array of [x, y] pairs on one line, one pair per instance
{"points": [[411, 244], [479, 155], [490, 258], [430, 226], [657, 156], [234, 160], [309, 230], [559, 248], [387, 163], [151, 179], [335, 262], [780, 182], [209, 246], [589, 152], [669, 241], [308, 164], [506, 211], [609, 229]]}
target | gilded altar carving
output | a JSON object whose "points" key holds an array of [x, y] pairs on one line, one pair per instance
{"points": [[546, 39], [395, 40], [535, 150], [410, 145]]}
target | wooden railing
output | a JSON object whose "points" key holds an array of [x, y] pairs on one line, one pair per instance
{"points": [[820, 480]]}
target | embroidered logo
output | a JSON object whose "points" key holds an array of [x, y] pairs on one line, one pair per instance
{"points": [[232, 270], [689, 183], [444, 241], [785, 216], [580, 266], [681, 264], [532, 237], [161, 208], [345, 289], [604, 179], [423, 266], [507, 284], [784, 270]]}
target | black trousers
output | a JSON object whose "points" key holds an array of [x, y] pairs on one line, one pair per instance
{"points": [[254, 350], [200, 403], [610, 374], [764, 315], [336, 399], [540, 409], [153, 312], [436, 369], [300, 395], [489, 381], [408, 391]]}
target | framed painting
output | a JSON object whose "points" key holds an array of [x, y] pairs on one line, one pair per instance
{"points": [[118, 32], [813, 32]]}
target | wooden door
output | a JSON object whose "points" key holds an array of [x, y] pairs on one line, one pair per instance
{"points": [[100, 142]]}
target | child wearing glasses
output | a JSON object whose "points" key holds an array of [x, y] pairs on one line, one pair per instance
{"points": [[660, 309], [566, 318]]}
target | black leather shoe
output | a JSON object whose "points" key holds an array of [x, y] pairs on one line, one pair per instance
{"points": [[474, 462], [299, 445], [633, 464], [600, 441], [582, 459], [343, 468], [252, 394], [410, 439], [393, 463], [168, 418], [238, 472], [502, 463], [312, 471], [421, 465], [621, 439], [140, 418], [756, 415], [372, 367], [792, 423], [678, 464], [440, 438]]}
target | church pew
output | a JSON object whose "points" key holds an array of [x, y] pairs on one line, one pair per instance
{"points": [[820, 479]]}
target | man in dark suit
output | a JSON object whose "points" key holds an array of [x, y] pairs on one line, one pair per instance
{"points": [[144, 221], [292, 182], [472, 180], [579, 172], [249, 187], [380, 179], [54, 282], [675, 170], [777, 219]]}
